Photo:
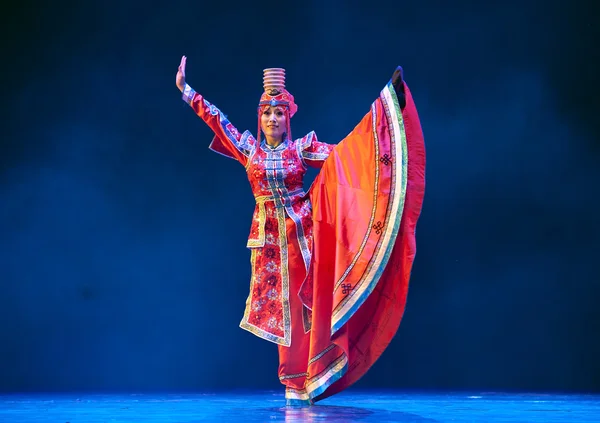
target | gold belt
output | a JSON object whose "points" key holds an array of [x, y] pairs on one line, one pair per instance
{"points": [[262, 215]]}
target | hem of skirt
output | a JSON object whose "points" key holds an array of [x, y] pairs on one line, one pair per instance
{"points": [[317, 386], [284, 341]]}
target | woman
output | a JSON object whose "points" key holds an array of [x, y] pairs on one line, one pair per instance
{"points": [[330, 268]]}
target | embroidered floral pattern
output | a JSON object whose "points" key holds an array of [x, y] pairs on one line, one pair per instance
{"points": [[266, 294]]}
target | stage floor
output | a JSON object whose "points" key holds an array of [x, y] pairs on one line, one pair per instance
{"points": [[353, 406]]}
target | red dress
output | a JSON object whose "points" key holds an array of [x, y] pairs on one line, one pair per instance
{"points": [[330, 268]]}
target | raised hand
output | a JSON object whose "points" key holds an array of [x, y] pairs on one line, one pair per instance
{"points": [[180, 78]]}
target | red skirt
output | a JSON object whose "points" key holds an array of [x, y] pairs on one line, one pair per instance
{"points": [[366, 201]]}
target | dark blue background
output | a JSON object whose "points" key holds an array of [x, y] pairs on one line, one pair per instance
{"points": [[122, 250]]}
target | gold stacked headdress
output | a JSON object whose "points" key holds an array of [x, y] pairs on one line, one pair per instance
{"points": [[274, 80]]}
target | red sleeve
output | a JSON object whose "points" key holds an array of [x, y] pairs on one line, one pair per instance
{"points": [[313, 152], [227, 140]]}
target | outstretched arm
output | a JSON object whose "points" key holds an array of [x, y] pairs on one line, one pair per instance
{"points": [[314, 152], [227, 141]]}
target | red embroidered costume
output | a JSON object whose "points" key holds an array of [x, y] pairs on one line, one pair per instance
{"points": [[330, 268]]}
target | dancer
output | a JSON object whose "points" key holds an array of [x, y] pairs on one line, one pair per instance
{"points": [[331, 266]]}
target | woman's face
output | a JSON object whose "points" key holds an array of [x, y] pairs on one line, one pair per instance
{"points": [[273, 122]]}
